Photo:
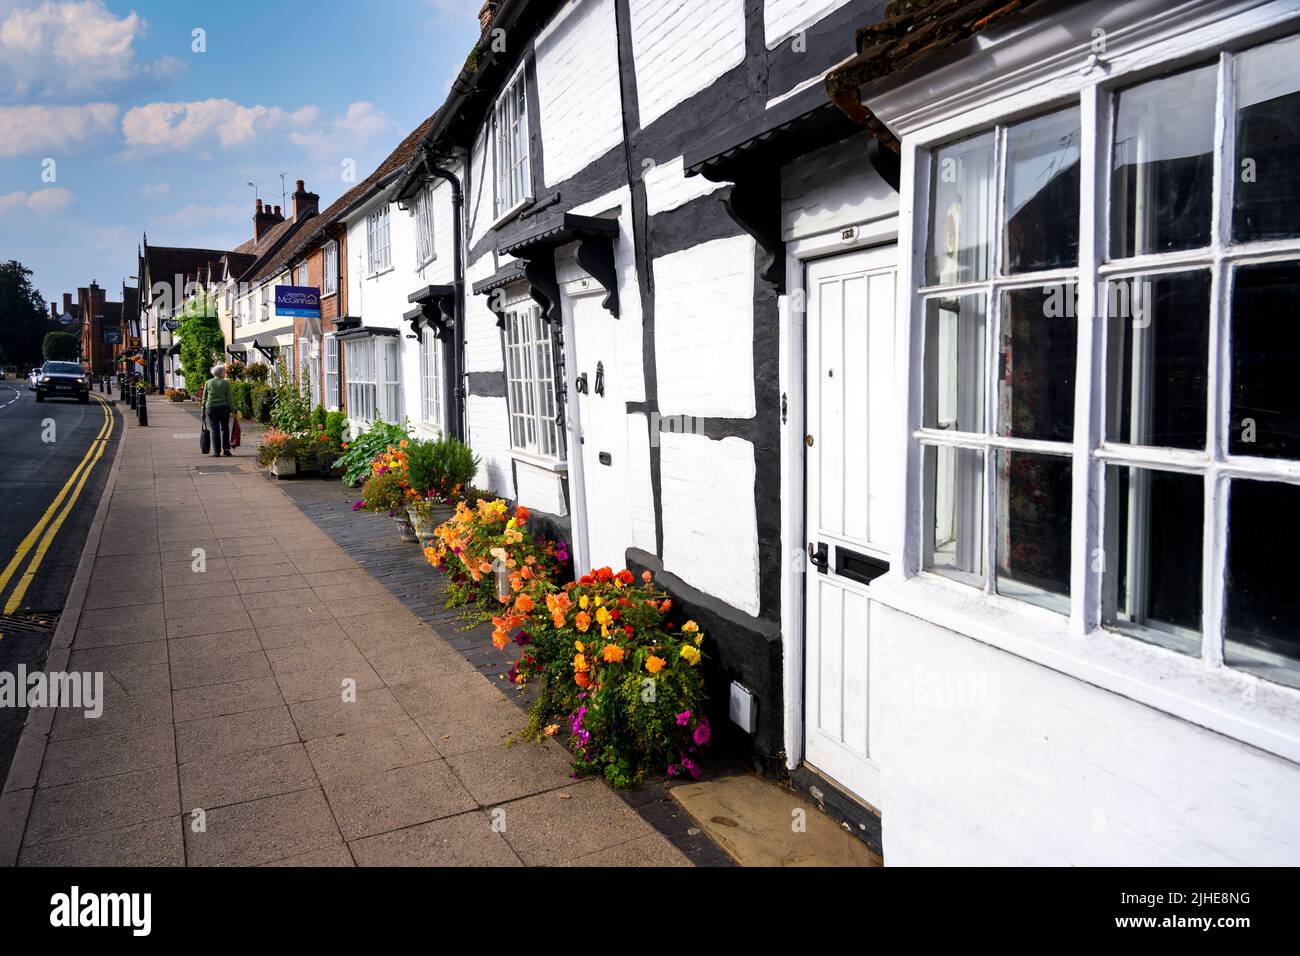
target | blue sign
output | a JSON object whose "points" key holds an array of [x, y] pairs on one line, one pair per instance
{"points": [[297, 300]]}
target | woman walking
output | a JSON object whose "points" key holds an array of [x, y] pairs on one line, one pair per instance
{"points": [[216, 406]]}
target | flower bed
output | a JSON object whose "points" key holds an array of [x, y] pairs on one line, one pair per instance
{"points": [[470, 544]]}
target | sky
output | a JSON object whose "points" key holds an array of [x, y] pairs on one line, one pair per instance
{"points": [[119, 119]]}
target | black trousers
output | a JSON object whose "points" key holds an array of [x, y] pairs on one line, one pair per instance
{"points": [[219, 422]]}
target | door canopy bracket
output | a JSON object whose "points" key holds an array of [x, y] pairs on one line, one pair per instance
{"points": [[595, 238], [492, 285], [435, 308]]}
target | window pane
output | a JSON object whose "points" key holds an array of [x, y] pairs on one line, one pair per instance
{"points": [[954, 363], [1265, 358], [1036, 371], [1042, 193], [1162, 170], [962, 197], [1154, 522], [1266, 199], [1157, 361], [1033, 528], [1262, 632], [954, 539]]}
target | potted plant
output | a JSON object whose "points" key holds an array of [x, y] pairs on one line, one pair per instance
{"points": [[386, 490], [278, 452]]}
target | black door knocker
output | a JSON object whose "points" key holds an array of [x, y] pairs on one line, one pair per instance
{"points": [[600, 379], [580, 384]]}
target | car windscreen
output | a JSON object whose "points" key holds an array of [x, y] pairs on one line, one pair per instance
{"points": [[62, 368]]}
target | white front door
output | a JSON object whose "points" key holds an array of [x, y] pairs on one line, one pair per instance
{"points": [[596, 386], [849, 521]]}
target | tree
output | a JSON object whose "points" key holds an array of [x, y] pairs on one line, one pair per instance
{"points": [[22, 317], [60, 347], [201, 340]]}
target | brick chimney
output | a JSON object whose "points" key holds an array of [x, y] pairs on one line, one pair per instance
{"points": [[67, 303], [304, 203], [54, 311], [264, 217]]}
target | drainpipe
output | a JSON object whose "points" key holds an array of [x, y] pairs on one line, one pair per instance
{"points": [[460, 426]]}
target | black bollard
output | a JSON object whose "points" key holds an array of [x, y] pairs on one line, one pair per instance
{"points": [[130, 396], [144, 412]]}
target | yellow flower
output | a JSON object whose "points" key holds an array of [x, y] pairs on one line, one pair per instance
{"points": [[690, 627], [603, 616], [690, 653], [579, 663], [654, 664], [579, 645], [551, 729], [583, 602]]}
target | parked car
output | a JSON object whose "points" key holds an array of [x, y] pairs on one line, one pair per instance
{"points": [[32, 376], [63, 380]]}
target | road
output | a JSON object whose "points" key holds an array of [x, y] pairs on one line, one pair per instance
{"points": [[54, 460]]}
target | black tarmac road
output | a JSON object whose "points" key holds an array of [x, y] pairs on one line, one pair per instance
{"points": [[45, 449]]}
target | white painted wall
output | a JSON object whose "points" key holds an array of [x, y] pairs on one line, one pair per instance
{"points": [[832, 188], [667, 186], [641, 492], [539, 489], [704, 329], [482, 337], [710, 528], [578, 88], [490, 438], [1029, 767], [680, 47], [784, 18]]}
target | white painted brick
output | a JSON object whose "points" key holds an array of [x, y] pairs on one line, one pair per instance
{"points": [[681, 47], [641, 491], [784, 18], [578, 88], [540, 489], [704, 329], [490, 439], [667, 186], [482, 337], [710, 527], [1042, 769], [831, 188]]}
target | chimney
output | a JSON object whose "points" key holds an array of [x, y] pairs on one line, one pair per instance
{"points": [[54, 311], [304, 203], [67, 303], [264, 217]]}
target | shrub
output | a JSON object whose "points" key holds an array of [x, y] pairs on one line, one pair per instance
{"points": [[359, 453], [318, 418], [241, 397], [260, 402], [441, 468], [200, 338], [291, 411], [257, 372], [236, 370], [60, 347], [473, 539], [615, 673]]}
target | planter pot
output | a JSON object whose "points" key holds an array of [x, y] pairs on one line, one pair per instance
{"points": [[284, 467], [404, 527], [424, 528]]}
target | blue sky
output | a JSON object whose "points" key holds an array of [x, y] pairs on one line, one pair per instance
{"points": [[112, 125]]}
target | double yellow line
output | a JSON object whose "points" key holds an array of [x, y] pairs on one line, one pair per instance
{"points": [[53, 518]]}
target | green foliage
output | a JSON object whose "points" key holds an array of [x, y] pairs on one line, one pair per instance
{"points": [[241, 398], [23, 317], [336, 427], [257, 373], [366, 447], [291, 411], [441, 468], [318, 418], [236, 371], [260, 399], [384, 492], [60, 347], [201, 340]]}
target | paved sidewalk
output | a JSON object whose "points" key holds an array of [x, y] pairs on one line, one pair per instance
{"points": [[225, 737]]}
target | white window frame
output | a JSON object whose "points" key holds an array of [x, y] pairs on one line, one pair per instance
{"points": [[374, 378], [300, 274], [379, 247], [530, 385], [512, 161], [422, 213], [1089, 452], [331, 373], [431, 380], [329, 279]]}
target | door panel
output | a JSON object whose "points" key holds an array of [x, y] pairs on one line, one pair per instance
{"points": [[850, 472], [602, 432]]}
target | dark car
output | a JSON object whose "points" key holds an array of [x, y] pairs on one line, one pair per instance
{"points": [[63, 380]]}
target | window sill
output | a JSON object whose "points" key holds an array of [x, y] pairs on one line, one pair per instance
{"points": [[513, 212], [540, 461], [1226, 701], [381, 272], [329, 295]]}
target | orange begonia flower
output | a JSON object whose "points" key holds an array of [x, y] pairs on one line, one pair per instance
{"points": [[524, 604], [582, 680], [582, 621], [654, 664], [612, 653]]}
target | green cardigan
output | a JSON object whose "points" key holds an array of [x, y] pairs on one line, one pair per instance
{"points": [[216, 392]]}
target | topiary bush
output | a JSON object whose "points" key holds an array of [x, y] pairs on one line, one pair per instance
{"points": [[442, 468]]}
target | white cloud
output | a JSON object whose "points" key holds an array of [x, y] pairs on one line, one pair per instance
{"points": [[52, 129], [68, 49], [362, 123], [43, 202], [154, 190], [175, 127]]}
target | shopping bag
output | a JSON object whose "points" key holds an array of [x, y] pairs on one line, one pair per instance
{"points": [[234, 431], [205, 436]]}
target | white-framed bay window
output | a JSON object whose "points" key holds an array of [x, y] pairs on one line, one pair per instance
{"points": [[530, 383], [422, 212], [510, 145], [378, 242], [431, 380], [1106, 424], [331, 373], [373, 373], [329, 279]]}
